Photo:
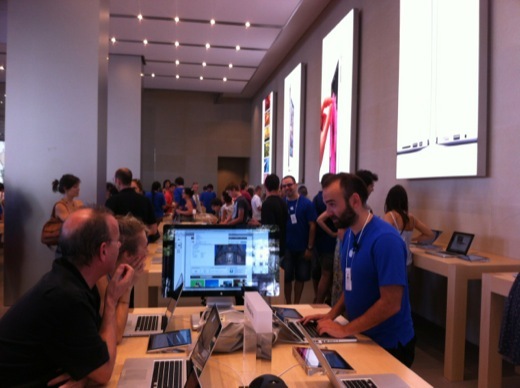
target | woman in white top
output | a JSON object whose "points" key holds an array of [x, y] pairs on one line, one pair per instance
{"points": [[68, 185], [396, 214]]}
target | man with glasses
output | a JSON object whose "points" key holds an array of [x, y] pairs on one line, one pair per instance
{"points": [[300, 234], [54, 333]]}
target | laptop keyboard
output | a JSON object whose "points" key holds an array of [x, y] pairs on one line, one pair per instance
{"points": [[359, 383], [167, 374], [147, 323], [312, 329]]}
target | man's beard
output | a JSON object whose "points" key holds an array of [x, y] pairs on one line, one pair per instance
{"points": [[346, 219]]}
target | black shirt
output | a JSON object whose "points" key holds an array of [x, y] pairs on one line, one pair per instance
{"points": [[53, 329], [274, 212], [128, 201]]}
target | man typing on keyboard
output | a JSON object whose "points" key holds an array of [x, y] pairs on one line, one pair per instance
{"points": [[373, 260], [54, 334]]}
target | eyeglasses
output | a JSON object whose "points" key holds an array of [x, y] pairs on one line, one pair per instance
{"points": [[287, 185]]}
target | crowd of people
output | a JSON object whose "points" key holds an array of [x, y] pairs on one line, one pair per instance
{"points": [[66, 328]]}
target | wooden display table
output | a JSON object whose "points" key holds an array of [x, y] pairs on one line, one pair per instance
{"points": [[458, 273]]}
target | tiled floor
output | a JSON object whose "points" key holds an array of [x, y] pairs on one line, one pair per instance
{"points": [[429, 350]]}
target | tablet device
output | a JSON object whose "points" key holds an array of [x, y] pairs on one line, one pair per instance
{"points": [[285, 313], [310, 363], [169, 341]]}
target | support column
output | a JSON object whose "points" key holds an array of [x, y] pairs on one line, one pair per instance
{"points": [[56, 121]]}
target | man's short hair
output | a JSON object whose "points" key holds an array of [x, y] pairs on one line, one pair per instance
{"points": [[367, 176], [124, 175], [129, 230], [80, 244], [179, 181], [272, 182], [349, 184], [289, 177], [243, 185]]}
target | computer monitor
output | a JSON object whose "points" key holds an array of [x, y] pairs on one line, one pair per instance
{"points": [[221, 260]]}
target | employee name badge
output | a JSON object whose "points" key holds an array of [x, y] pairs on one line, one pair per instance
{"points": [[348, 279], [293, 219]]}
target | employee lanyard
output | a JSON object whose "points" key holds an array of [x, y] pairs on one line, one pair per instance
{"points": [[295, 207], [352, 253]]}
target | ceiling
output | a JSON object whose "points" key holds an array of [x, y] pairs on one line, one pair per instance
{"points": [[275, 27]]}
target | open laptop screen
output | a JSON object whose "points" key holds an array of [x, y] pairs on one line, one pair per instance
{"points": [[220, 260], [460, 243]]}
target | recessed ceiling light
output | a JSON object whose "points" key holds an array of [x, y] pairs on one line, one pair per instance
{"points": [[177, 76], [177, 62], [2, 68], [176, 43], [176, 18], [237, 47], [145, 42], [224, 79], [230, 65], [203, 64], [113, 39], [212, 22], [201, 78], [208, 46], [142, 75], [140, 17], [153, 75], [248, 24]]}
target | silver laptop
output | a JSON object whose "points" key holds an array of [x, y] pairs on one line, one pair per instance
{"points": [[458, 246], [140, 325], [292, 331], [385, 380], [174, 372]]}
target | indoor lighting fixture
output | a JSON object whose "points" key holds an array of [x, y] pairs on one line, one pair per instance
{"points": [[208, 46], [113, 39], [237, 47], [177, 62], [201, 78], [230, 65], [176, 18], [145, 42], [212, 22], [203, 64], [140, 17], [177, 76], [176, 43], [224, 79], [2, 68], [142, 75], [153, 75], [248, 24]]}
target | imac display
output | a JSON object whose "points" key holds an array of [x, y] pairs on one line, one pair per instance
{"points": [[442, 111], [268, 119], [292, 121], [339, 96], [221, 261]]}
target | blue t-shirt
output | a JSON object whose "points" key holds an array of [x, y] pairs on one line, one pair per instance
{"points": [[158, 201], [297, 234], [379, 260], [206, 197], [177, 196], [324, 242]]}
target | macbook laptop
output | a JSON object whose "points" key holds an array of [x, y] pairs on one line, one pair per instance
{"points": [[174, 372], [292, 330], [385, 380], [459, 245], [139, 325]]}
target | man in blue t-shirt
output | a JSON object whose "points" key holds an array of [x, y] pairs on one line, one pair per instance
{"points": [[373, 259], [299, 242]]}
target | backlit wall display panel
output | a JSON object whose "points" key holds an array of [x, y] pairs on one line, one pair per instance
{"points": [[292, 122], [442, 113], [268, 120], [338, 97]]}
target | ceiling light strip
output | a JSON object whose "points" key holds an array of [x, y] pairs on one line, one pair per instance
{"points": [[149, 42]]}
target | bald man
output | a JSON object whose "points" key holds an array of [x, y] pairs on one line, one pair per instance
{"points": [[54, 334]]}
